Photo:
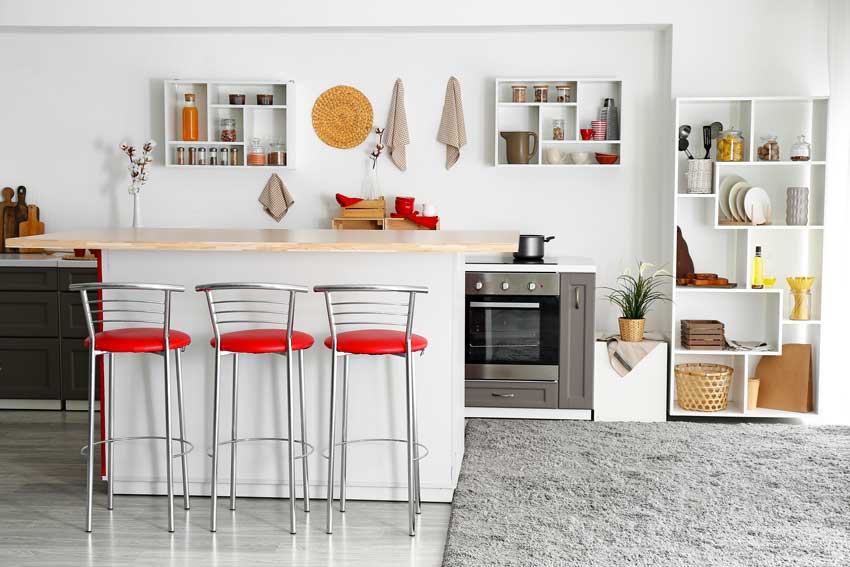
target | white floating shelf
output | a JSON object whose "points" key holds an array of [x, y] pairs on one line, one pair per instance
{"points": [[766, 163], [696, 195], [271, 106], [552, 104], [572, 142], [793, 322], [770, 227], [204, 144], [682, 289], [726, 352]]}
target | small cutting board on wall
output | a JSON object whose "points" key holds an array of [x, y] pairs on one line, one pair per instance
{"points": [[7, 205], [31, 227]]}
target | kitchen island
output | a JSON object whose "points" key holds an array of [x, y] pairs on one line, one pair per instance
{"points": [[304, 257]]}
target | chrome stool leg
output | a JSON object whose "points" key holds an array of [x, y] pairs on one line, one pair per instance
{"points": [[411, 488], [415, 435], [343, 462], [90, 454], [304, 468], [233, 431], [214, 472], [110, 431], [290, 419], [169, 453], [182, 423], [331, 442]]}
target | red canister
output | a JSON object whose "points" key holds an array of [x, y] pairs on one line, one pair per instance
{"points": [[404, 205]]}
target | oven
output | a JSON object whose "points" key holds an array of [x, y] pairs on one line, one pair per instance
{"points": [[512, 326]]}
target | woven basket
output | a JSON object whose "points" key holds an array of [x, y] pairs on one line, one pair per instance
{"points": [[703, 386], [631, 330], [699, 175]]}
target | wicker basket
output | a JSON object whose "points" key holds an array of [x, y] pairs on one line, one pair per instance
{"points": [[631, 330], [700, 175], [703, 386]]}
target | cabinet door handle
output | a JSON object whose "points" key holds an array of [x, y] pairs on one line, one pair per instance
{"points": [[495, 395], [577, 291]]}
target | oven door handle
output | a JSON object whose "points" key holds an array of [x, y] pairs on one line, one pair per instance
{"points": [[504, 305]]}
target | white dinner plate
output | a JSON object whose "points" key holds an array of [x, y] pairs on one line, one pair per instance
{"points": [[725, 185], [757, 205], [733, 200], [739, 202]]}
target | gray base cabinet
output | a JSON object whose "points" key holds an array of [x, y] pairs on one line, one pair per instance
{"points": [[575, 384]]}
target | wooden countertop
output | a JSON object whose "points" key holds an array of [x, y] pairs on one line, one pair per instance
{"points": [[274, 240]]}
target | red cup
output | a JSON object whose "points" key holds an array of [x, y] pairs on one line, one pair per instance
{"points": [[586, 133], [404, 205], [79, 252]]}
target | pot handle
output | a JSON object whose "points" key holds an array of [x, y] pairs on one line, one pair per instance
{"points": [[534, 148], [548, 238]]}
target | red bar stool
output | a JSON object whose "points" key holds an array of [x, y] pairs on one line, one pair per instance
{"points": [[255, 304], [373, 340], [135, 304]]}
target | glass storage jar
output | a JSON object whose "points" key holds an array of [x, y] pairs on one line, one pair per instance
{"points": [[557, 129], [228, 130], [541, 93], [277, 153], [769, 148], [519, 92], [233, 159], [730, 145], [563, 93], [256, 152], [801, 150], [802, 301]]}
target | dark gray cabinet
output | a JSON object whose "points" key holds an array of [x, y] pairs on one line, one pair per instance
{"points": [[42, 333], [505, 394], [575, 388]]}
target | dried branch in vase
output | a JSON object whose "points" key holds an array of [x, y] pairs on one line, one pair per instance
{"points": [[379, 147], [138, 166]]}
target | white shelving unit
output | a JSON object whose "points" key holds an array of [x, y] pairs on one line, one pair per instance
{"points": [[267, 122], [728, 250], [587, 96]]}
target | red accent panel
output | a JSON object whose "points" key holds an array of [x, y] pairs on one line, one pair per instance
{"points": [[375, 341], [260, 341], [140, 339], [98, 255]]}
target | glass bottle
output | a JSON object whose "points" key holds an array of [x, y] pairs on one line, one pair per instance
{"points": [[758, 270], [801, 150], [256, 152], [190, 118]]}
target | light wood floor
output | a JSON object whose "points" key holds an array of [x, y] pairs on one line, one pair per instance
{"points": [[42, 509]]}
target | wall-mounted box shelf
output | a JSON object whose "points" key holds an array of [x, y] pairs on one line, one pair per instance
{"points": [[587, 96], [270, 123]]}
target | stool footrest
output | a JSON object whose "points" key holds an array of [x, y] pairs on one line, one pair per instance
{"points": [[310, 448], [183, 443], [325, 454]]}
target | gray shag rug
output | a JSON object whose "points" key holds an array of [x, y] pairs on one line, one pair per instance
{"points": [[686, 494]]}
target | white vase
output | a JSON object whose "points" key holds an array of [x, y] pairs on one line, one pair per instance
{"points": [[137, 211], [370, 188]]}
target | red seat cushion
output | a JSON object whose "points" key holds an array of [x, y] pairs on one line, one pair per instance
{"points": [[140, 339], [375, 341], [262, 340]]}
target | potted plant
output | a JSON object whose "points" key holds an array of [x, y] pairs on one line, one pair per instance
{"points": [[634, 297]]}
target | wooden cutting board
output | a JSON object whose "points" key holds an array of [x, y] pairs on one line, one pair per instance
{"points": [[31, 227], [7, 204]]}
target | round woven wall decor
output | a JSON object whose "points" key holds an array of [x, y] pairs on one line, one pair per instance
{"points": [[342, 117]]}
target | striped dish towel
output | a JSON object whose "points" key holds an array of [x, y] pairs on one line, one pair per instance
{"points": [[397, 134], [275, 198], [452, 131]]}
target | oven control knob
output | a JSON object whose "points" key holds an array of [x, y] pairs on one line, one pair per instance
{"points": [[532, 286], [505, 286], [478, 285]]}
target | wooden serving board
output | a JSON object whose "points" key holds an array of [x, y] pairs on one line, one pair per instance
{"points": [[7, 204], [31, 227]]}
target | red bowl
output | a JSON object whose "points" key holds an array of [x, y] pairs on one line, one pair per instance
{"points": [[607, 159], [586, 133], [404, 205]]}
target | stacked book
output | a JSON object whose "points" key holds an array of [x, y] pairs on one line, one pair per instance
{"points": [[699, 334]]}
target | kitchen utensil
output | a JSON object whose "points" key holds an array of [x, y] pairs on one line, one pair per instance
{"points": [[31, 227], [586, 133], [612, 120], [530, 246], [580, 158], [757, 205], [517, 146], [606, 159], [684, 132], [725, 186], [733, 200], [404, 205], [706, 140], [7, 204]]}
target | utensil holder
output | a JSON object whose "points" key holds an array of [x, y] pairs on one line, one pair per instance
{"points": [[700, 175], [797, 206]]}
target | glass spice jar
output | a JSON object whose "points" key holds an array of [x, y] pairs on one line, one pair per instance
{"points": [[769, 148], [234, 157], [202, 156], [730, 145], [213, 157], [541, 93], [563, 93], [277, 153], [181, 156], [228, 130], [801, 150], [192, 157], [557, 129], [256, 152], [519, 93], [225, 156]]}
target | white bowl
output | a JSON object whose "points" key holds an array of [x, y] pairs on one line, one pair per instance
{"points": [[580, 157]]}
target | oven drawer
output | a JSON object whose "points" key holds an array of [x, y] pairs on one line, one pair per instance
{"points": [[511, 394], [523, 372]]}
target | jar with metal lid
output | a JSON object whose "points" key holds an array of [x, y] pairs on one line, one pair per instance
{"points": [[801, 150], [541, 93], [558, 129], [224, 153], [234, 157], [228, 130], [519, 92], [769, 148], [563, 93], [193, 160], [256, 152], [277, 153], [181, 156], [730, 145], [202, 156], [213, 157]]}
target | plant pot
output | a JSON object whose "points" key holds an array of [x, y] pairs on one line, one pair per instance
{"points": [[631, 330], [752, 393]]}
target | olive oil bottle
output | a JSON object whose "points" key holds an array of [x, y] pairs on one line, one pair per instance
{"points": [[758, 270]]}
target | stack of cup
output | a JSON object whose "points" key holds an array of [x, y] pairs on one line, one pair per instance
{"points": [[599, 128]]}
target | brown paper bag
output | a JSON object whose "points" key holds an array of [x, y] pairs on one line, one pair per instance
{"points": [[786, 381]]}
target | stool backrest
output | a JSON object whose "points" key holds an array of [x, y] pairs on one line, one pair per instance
{"points": [[370, 305], [131, 304], [269, 305]]}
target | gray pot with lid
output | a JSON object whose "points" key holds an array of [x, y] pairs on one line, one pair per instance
{"points": [[530, 246]]}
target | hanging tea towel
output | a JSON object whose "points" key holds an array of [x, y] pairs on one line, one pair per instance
{"points": [[452, 131], [397, 134], [276, 198]]}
